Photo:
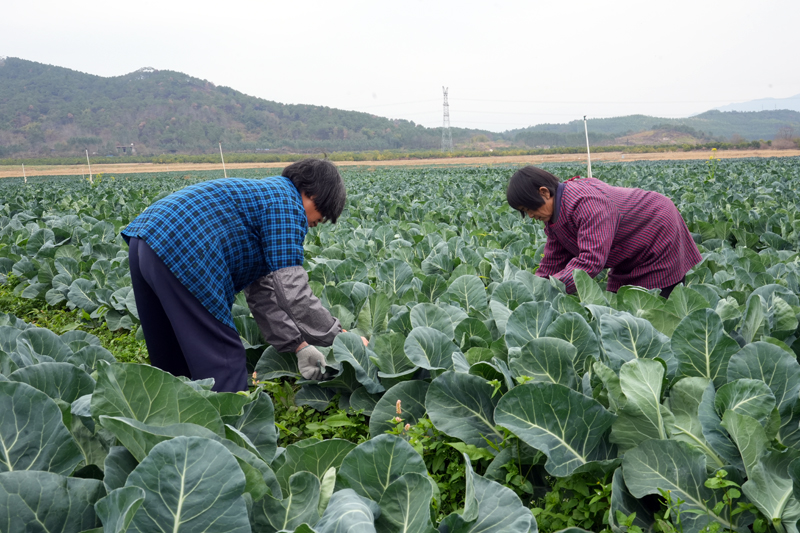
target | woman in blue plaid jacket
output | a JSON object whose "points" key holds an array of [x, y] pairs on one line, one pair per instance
{"points": [[192, 251]]}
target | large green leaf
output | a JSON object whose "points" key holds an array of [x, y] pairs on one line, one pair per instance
{"points": [[118, 465], [528, 321], [373, 316], [565, 425], [272, 514], [274, 364], [190, 484], [312, 456], [702, 347], [713, 432], [676, 467], [258, 424], [775, 367], [396, 276], [642, 417], [430, 348], [57, 380], [152, 396], [462, 406], [547, 360], [588, 290], [751, 397], [769, 486], [626, 338], [623, 502], [684, 401], [410, 394], [32, 434], [348, 348], [574, 329], [390, 355], [426, 315], [117, 509], [48, 503], [372, 466], [40, 341], [405, 505], [348, 512], [468, 292]]}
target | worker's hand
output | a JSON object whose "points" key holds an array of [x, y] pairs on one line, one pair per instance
{"points": [[365, 341], [311, 362]]}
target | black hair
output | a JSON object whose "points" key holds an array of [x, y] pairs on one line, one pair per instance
{"points": [[523, 188], [321, 182]]}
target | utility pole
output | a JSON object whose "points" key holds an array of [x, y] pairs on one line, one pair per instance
{"points": [[447, 136]]}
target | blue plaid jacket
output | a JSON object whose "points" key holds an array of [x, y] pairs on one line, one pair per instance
{"points": [[219, 236]]}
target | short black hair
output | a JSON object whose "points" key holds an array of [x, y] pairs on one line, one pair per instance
{"points": [[320, 180], [523, 188]]}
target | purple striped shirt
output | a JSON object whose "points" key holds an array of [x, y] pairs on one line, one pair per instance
{"points": [[639, 235]]}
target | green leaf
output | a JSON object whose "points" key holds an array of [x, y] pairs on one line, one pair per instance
{"points": [[752, 319], [405, 505], [588, 290], [468, 292], [651, 467], [749, 397], [190, 484], [57, 380], [372, 318], [432, 316], [626, 338], [411, 395], [396, 276], [361, 400], [32, 434], [119, 463], [152, 396], [48, 503], [348, 348], [40, 341], [684, 402], [117, 509], [574, 329], [430, 348], [711, 423], [300, 506], [702, 347], [312, 456], [642, 417], [528, 321], [779, 370], [623, 502], [348, 512], [372, 466], [461, 405], [274, 364], [565, 425], [390, 355], [546, 360], [258, 424]]}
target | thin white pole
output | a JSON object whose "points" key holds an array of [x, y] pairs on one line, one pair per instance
{"points": [[90, 167], [23, 173], [588, 155], [223, 161]]}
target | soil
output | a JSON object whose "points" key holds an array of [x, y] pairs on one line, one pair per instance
{"points": [[616, 157]]}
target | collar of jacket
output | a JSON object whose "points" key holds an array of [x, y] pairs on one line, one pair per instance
{"points": [[557, 203]]}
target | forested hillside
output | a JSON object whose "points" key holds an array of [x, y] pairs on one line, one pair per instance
{"points": [[52, 110]]}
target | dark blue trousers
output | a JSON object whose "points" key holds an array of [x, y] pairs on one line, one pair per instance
{"points": [[182, 336]]}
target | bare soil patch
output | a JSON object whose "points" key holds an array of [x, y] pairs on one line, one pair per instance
{"points": [[617, 157]]}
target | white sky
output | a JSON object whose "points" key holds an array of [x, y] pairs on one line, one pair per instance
{"points": [[508, 64]]}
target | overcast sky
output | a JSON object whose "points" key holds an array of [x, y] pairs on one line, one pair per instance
{"points": [[508, 64]]}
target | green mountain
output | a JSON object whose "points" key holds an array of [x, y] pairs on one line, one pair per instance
{"points": [[720, 125], [49, 110]]}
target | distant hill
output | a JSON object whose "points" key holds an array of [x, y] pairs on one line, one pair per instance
{"points": [[792, 103], [711, 125], [52, 110]]}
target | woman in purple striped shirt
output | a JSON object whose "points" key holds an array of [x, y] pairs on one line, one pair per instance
{"points": [[590, 225]]}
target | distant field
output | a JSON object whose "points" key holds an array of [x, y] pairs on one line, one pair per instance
{"points": [[121, 168]]}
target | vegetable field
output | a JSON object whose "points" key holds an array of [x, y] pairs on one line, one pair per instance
{"points": [[488, 399]]}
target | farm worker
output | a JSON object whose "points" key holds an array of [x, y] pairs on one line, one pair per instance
{"points": [[192, 251], [590, 225]]}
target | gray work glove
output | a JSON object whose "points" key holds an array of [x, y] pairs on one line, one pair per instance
{"points": [[311, 363]]}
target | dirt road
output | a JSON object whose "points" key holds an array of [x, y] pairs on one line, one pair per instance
{"points": [[71, 170]]}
